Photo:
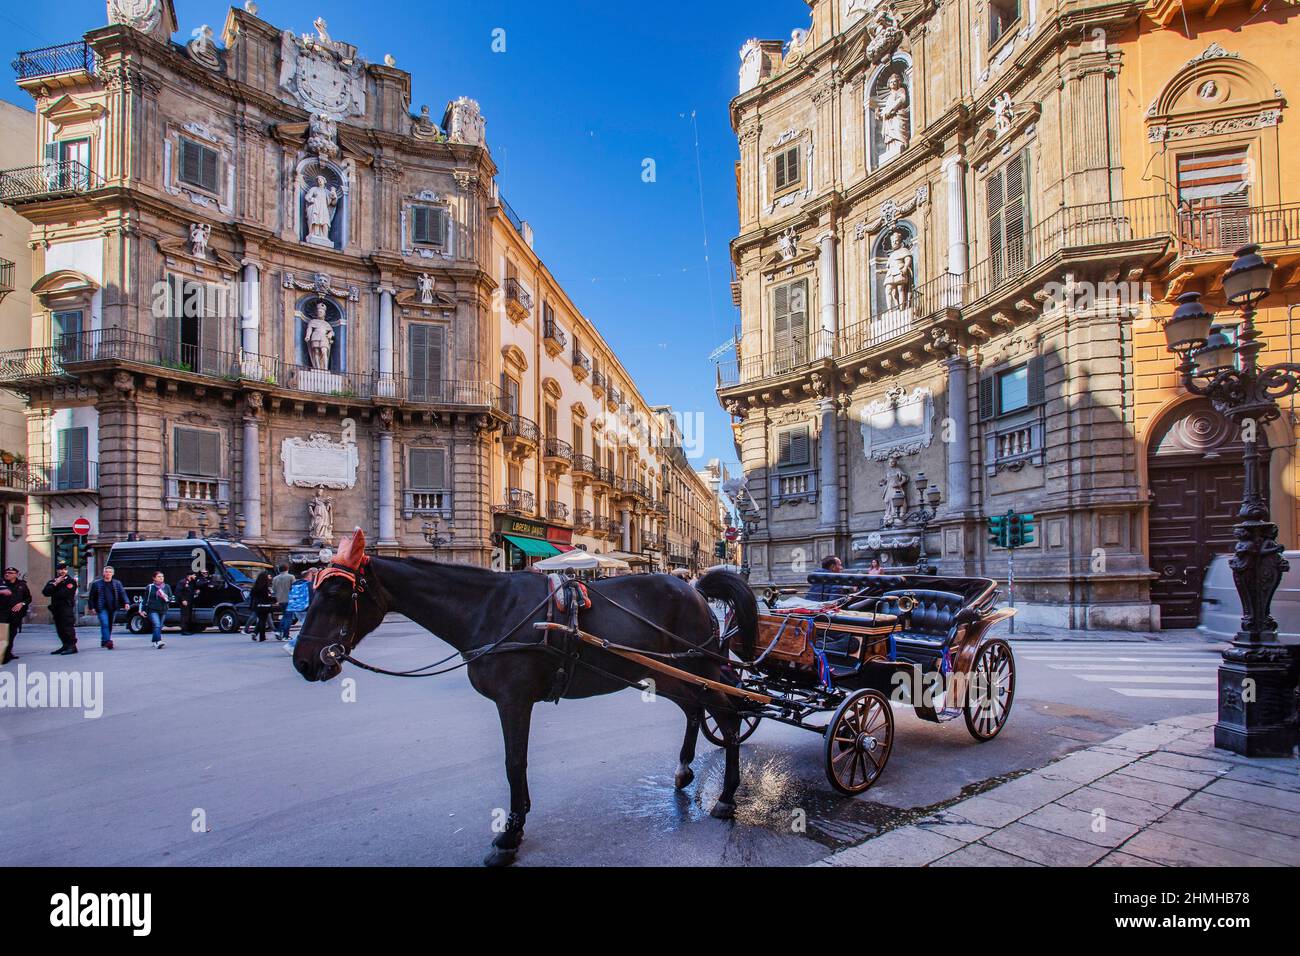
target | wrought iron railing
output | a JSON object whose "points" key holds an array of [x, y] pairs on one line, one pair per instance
{"points": [[551, 330], [1224, 230], [558, 449], [50, 60], [20, 367], [603, 475], [69, 476], [511, 216], [517, 426], [515, 292], [582, 518], [28, 183], [608, 526], [6, 278], [598, 381], [581, 360], [15, 476], [425, 391], [517, 501], [557, 511]]}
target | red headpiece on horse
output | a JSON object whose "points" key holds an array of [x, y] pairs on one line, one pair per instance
{"points": [[349, 559]]}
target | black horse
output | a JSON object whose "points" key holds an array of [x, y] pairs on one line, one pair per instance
{"points": [[472, 609]]}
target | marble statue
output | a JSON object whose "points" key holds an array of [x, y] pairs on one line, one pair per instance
{"points": [[895, 496], [899, 272], [893, 115], [1002, 109], [200, 232], [425, 283], [322, 201], [319, 336], [321, 510]]}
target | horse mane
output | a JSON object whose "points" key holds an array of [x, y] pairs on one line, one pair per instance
{"points": [[464, 574]]}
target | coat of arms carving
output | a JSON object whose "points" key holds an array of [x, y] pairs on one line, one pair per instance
{"points": [[324, 74]]}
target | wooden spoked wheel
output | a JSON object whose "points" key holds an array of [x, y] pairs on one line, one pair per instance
{"points": [[748, 724], [859, 739], [990, 690]]}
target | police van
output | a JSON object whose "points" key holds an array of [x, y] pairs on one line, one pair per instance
{"points": [[231, 568]]}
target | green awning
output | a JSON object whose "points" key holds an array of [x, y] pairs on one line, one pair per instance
{"points": [[532, 547]]}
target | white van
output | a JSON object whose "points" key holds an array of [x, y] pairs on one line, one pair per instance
{"points": [[1221, 605]]}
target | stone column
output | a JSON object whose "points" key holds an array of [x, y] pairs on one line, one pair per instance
{"points": [[250, 319], [828, 290], [385, 384], [828, 466], [387, 488], [958, 490], [251, 490], [954, 168], [626, 517]]}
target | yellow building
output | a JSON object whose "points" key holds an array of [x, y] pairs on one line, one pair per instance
{"points": [[580, 461], [1206, 128]]}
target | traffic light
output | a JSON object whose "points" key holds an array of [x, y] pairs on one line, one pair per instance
{"points": [[998, 530], [720, 550], [1026, 530], [1014, 531]]}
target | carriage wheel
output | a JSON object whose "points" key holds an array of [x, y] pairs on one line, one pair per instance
{"points": [[859, 740], [748, 724], [990, 690]]}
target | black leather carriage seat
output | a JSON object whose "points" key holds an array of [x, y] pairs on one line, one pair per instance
{"points": [[827, 585], [930, 625]]}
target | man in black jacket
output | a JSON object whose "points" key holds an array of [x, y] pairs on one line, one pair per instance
{"points": [[186, 592], [15, 599], [62, 592], [107, 597]]}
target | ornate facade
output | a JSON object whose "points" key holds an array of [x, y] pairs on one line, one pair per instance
{"points": [[262, 299], [956, 232]]}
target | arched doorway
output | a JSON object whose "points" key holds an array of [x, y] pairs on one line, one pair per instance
{"points": [[1195, 476]]}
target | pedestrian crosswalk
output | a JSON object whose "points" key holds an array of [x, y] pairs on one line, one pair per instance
{"points": [[1170, 671]]}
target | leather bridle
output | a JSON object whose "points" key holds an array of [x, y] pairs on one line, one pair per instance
{"points": [[335, 654]]}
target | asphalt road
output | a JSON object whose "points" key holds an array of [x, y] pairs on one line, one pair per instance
{"points": [[214, 751]]}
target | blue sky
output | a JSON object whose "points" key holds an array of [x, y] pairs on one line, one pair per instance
{"points": [[584, 93]]}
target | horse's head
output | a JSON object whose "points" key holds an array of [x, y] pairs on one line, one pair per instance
{"points": [[346, 606]]}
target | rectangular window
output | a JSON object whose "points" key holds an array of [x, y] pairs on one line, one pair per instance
{"points": [[1214, 199], [510, 394], [429, 226], [577, 438], [191, 328], [1002, 15], [198, 165], [1012, 389], [426, 469], [793, 447], [73, 464], [196, 452], [1008, 212], [787, 173], [64, 323], [551, 419], [790, 325], [425, 343]]}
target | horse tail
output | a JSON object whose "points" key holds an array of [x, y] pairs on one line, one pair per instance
{"points": [[728, 586]]}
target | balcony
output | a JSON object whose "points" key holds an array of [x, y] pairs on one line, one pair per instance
{"points": [[14, 477], [554, 338], [22, 370], [582, 520], [512, 217], [516, 501], [794, 487], [608, 527], [598, 383], [613, 398], [188, 489], [6, 278], [520, 436], [519, 304], [438, 392], [602, 476], [557, 455], [28, 184], [63, 478], [51, 61], [557, 511], [426, 501], [584, 468], [660, 507], [581, 363], [1222, 231]]}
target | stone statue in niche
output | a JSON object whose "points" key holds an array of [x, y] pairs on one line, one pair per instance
{"points": [[1003, 110], [321, 511], [200, 232], [319, 337], [895, 496], [321, 202], [892, 112], [323, 136], [899, 272], [425, 283]]}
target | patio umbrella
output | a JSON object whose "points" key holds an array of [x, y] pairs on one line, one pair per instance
{"points": [[579, 560], [627, 558]]}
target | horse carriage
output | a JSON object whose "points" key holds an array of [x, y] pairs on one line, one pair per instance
{"points": [[872, 638]]}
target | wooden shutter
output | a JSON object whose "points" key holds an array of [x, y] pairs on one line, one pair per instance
{"points": [[196, 452], [427, 469], [208, 168], [425, 353], [577, 438], [429, 226], [1035, 387], [209, 337], [987, 408], [787, 168], [994, 204], [552, 422], [199, 165], [1015, 213], [792, 446]]}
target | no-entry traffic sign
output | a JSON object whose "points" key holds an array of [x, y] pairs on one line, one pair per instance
{"points": [[81, 526]]}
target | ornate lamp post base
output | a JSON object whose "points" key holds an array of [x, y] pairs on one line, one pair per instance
{"points": [[1257, 702]]}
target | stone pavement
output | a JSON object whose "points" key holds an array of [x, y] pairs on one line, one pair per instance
{"points": [[1160, 795], [1043, 632]]}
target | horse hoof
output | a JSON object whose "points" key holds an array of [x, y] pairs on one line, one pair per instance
{"points": [[498, 857], [683, 778], [723, 811]]}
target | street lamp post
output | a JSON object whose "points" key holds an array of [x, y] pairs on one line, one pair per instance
{"points": [[927, 510], [433, 535], [1256, 679]]}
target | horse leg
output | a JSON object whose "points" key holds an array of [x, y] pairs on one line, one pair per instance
{"points": [[729, 726], [516, 717], [684, 775]]}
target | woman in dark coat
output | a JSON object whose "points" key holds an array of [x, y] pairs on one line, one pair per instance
{"points": [[262, 601]]}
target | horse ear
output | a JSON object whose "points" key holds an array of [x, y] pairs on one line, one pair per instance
{"points": [[352, 549]]}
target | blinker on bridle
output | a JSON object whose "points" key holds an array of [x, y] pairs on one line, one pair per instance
{"points": [[335, 654]]}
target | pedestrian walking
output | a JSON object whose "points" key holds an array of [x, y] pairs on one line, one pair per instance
{"points": [[299, 598], [281, 584], [62, 592], [158, 599], [107, 597], [262, 602], [15, 598]]}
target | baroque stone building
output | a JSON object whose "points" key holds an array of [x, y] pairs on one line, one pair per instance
{"points": [[957, 231], [262, 300]]}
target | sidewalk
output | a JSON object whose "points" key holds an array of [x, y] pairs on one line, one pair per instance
{"points": [[1160, 795], [1043, 632]]}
